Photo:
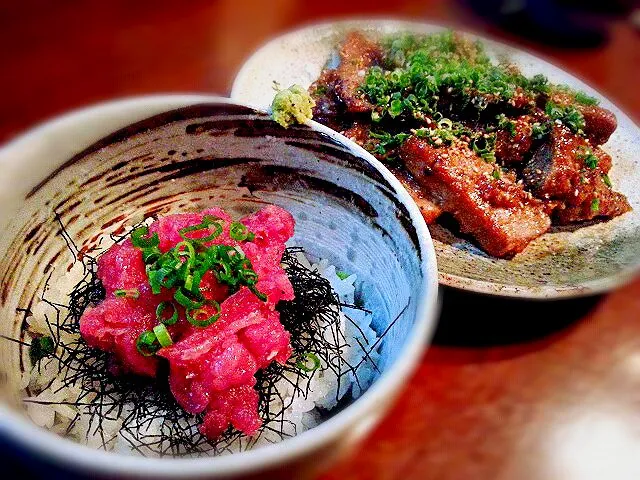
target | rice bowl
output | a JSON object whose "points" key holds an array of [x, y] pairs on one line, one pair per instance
{"points": [[408, 270]]}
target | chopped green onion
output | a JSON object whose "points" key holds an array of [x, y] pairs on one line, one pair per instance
{"points": [[342, 275], [591, 161], [207, 222], [496, 173], [595, 205], [238, 231], [156, 278], [198, 316], [484, 146], [607, 180], [131, 293], [258, 294], [40, 348], [302, 364], [162, 318], [195, 280], [140, 239], [539, 130], [506, 124], [445, 123], [151, 255], [567, 114], [585, 99], [395, 108], [182, 297], [189, 252], [147, 343], [183, 267], [163, 336]]}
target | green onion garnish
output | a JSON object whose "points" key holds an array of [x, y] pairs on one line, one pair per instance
{"points": [[591, 161], [41, 347], [182, 297], [258, 294], [585, 99], [130, 293], [198, 316], [186, 250], [156, 278], [238, 231], [162, 334], [606, 180], [162, 317], [147, 343], [342, 275], [484, 146], [445, 123], [207, 222], [595, 205], [303, 363], [151, 254], [140, 238], [183, 267]]}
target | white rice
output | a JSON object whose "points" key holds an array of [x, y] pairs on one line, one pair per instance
{"points": [[320, 392]]}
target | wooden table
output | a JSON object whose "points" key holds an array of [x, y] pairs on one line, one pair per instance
{"points": [[509, 390]]}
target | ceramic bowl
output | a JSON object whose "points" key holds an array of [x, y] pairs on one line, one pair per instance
{"points": [[99, 170], [567, 261]]}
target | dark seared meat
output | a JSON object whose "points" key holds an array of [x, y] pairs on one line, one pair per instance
{"points": [[498, 213], [428, 208], [559, 170], [608, 204], [511, 147], [560, 175], [357, 54], [557, 166], [359, 133], [328, 109], [600, 123], [336, 90]]}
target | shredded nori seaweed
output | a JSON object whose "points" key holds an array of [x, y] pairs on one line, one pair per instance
{"points": [[152, 421]]}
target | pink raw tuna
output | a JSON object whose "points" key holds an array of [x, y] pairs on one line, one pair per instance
{"points": [[121, 267], [236, 406], [267, 340], [215, 359], [272, 227], [211, 368], [114, 326], [168, 228]]}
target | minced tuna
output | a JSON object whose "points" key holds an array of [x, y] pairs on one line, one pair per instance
{"points": [[198, 291]]}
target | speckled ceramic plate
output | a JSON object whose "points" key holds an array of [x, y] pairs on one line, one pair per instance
{"points": [[563, 263]]}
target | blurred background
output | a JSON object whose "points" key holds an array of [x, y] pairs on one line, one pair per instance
{"points": [[486, 377], [61, 55]]}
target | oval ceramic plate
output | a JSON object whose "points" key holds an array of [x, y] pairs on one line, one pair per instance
{"points": [[566, 262]]}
